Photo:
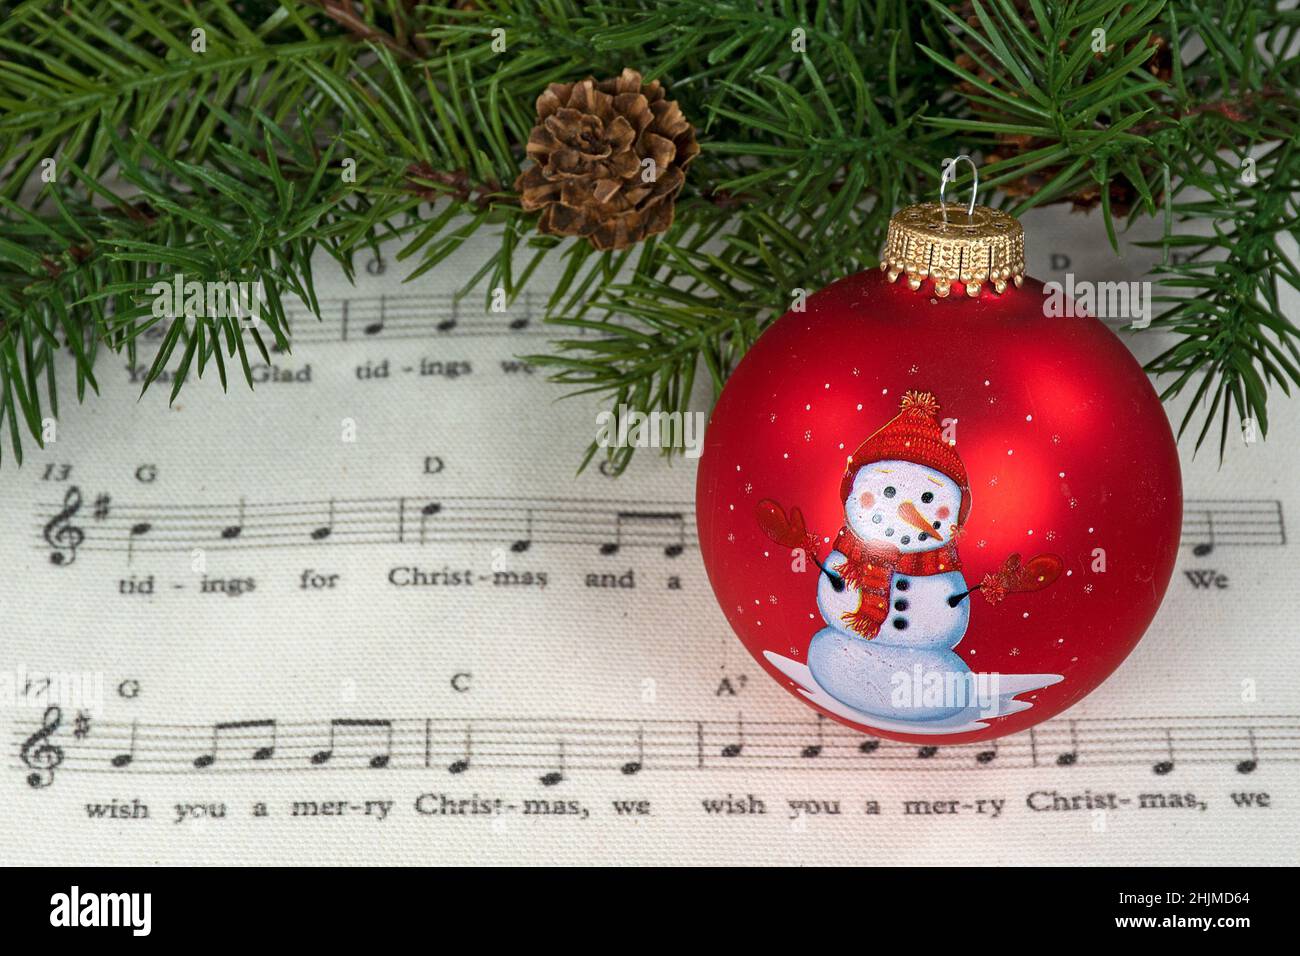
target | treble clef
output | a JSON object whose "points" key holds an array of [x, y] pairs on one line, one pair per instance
{"points": [[61, 534], [40, 754]]}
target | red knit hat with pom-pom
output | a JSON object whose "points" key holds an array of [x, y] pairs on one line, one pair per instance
{"points": [[912, 435]]}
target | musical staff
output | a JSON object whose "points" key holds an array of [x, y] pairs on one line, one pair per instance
{"points": [[1211, 523], [396, 318], [552, 750], [607, 527]]}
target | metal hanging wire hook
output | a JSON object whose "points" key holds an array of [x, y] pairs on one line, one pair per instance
{"points": [[950, 176]]}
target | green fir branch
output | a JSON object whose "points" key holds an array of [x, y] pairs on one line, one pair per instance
{"points": [[816, 121]]}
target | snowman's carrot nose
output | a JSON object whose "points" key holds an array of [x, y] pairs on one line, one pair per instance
{"points": [[907, 511]]}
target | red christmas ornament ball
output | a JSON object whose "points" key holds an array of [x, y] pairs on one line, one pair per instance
{"points": [[917, 446]]}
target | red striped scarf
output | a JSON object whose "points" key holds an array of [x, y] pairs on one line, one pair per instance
{"points": [[871, 567]]}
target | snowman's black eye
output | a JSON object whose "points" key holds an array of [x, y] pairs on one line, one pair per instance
{"points": [[927, 497], [889, 491]]}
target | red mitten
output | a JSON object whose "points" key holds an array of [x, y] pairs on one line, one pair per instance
{"points": [[788, 532], [1040, 571]]}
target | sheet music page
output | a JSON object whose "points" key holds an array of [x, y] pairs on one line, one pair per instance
{"points": [[370, 614]]}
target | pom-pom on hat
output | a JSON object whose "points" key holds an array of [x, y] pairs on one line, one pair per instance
{"points": [[912, 435]]}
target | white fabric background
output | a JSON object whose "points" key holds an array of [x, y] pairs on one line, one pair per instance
{"points": [[371, 649]]}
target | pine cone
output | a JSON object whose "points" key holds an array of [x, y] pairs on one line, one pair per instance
{"points": [[587, 147]]}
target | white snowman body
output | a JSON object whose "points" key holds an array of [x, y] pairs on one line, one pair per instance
{"points": [[914, 508], [919, 613]]}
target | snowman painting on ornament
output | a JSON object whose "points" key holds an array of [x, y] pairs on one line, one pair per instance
{"points": [[891, 591]]}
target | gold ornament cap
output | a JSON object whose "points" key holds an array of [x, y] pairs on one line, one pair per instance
{"points": [[947, 243]]}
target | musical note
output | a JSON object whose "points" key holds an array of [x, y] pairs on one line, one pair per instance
{"points": [[735, 748], [235, 530], [126, 759], [38, 753], [427, 512], [1248, 766], [520, 323], [925, 753], [555, 776], [643, 527], [453, 318], [378, 758], [1071, 756], [325, 530], [374, 328], [523, 544], [987, 756], [1202, 548], [263, 752], [869, 746], [1165, 766], [139, 529], [61, 534], [634, 766], [461, 765], [815, 750]]}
